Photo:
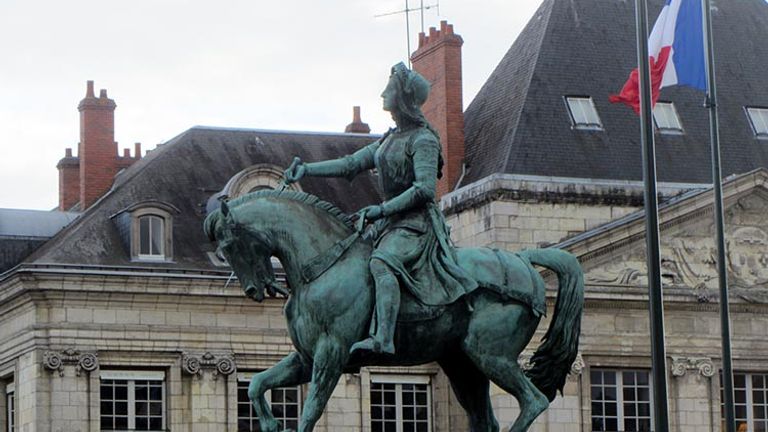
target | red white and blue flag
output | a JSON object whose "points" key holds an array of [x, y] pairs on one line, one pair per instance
{"points": [[676, 51]]}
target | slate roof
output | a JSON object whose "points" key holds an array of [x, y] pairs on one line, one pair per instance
{"points": [[184, 173], [519, 123], [23, 231]]}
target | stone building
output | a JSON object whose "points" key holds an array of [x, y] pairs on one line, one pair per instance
{"points": [[127, 319]]}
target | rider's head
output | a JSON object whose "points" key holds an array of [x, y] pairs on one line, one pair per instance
{"points": [[406, 92]]}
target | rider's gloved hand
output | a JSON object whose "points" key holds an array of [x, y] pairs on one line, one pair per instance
{"points": [[296, 171], [372, 213]]}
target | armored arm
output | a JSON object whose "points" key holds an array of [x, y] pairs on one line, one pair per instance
{"points": [[348, 166]]}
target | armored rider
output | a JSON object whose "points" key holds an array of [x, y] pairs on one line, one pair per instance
{"points": [[412, 248]]}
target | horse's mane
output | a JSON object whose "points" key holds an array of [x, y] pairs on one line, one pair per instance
{"points": [[301, 197]]}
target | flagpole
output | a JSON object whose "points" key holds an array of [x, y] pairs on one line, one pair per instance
{"points": [[725, 327], [658, 355]]}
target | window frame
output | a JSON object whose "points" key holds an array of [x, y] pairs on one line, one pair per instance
{"points": [[398, 381], [583, 125], [763, 112], [620, 387], [167, 234], [667, 129], [256, 177], [10, 407], [131, 377], [749, 403], [245, 377]]}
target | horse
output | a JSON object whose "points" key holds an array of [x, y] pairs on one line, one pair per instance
{"points": [[475, 340]]}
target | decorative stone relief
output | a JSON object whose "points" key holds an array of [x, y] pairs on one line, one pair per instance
{"points": [[578, 365], [688, 254], [704, 365], [55, 361], [223, 365]]}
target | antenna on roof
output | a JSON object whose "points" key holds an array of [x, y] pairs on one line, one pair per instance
{"points": [[407, 11]]}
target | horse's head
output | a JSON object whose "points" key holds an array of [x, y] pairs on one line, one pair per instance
{"points": [[247, 250]]}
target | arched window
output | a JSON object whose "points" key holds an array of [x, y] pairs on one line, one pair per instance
{"points": [[146, 229], [151, 237], [255, 178]]}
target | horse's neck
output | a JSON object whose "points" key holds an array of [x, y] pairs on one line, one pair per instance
{"points": [[302, 234]]}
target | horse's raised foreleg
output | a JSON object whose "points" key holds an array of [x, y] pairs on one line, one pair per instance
{"points": [[329, 359], [292, 370], [471, 389]]}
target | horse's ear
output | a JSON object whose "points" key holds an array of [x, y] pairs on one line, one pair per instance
{"points": [[224, 208]]}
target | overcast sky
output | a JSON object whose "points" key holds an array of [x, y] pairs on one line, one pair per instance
{"points": [[174, 64]]}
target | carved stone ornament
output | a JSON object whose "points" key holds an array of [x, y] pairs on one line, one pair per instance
{"points": [[704, 365], [55, 361], [578, 365], [223, 365]]}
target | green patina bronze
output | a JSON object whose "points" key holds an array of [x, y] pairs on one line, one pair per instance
{"points": [[398, 293]]}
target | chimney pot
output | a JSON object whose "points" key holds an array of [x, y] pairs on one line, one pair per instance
{"points": [[68, 152], [103, 94], [432, 33], [89, 90], [137, 150], [356, 114], [126, 153]]}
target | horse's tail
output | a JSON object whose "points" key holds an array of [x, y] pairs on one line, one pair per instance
{"points": [[553, 359]]}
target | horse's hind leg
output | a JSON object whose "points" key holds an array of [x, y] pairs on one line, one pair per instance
{"points": [[471, 389], [496, 335]]}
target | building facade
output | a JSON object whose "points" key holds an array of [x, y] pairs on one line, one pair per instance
{"points": [[127, 319]]}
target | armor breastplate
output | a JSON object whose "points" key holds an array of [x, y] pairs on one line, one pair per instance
{"points": [[394, 164]]}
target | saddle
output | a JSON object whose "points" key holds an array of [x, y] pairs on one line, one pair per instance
{"points": [[510, 275]]}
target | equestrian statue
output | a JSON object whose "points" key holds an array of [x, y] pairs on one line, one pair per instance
{"points": [[386, 287]]}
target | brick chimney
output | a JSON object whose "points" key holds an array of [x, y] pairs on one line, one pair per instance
{"points": [[84, 178], [69, 180], [438, 59], [98, 149], [357, 125]]}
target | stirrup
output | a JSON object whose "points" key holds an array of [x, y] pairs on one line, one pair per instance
{"points": [[370, 345]]}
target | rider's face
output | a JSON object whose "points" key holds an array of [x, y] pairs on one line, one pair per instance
{"points": [[389, 95]]}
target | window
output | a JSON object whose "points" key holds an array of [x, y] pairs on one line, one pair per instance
{"points": [[400, 404], [666, 118], [583, 112], [758, 118], [146, 229], [132, 400], [10, 403], [151, 237], [285, 403], [750, 401], [621, 400], [255, 178]]}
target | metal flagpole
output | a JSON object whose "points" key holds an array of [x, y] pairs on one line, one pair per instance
{"points": [[658, 355], [725, 327]]}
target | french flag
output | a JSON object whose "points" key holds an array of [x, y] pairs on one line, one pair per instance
{"points": [[676, 51]]}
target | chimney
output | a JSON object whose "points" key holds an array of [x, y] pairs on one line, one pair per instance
{"points": [[98, 149], [438, 59], [69, 180], [357, 125]]}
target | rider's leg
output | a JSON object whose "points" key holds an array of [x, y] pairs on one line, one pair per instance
{"points": [[387, 306]]}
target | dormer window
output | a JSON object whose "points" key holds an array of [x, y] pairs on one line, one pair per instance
{"points": [[758, 118], [151, 237], [255, 178], [583, 113], [147, 230], [666, 118]]}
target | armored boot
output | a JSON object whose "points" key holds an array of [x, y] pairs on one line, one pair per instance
{"points": [[387, 307]]}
